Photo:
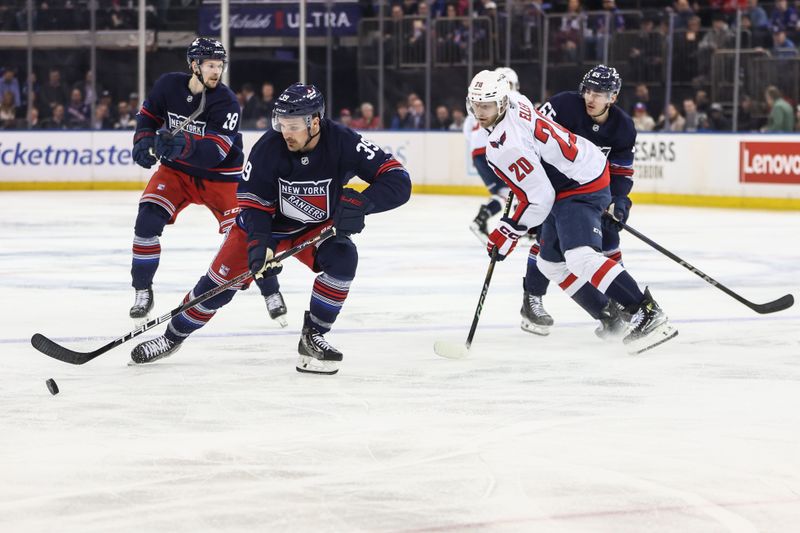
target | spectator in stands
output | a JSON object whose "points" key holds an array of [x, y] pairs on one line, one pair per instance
{"points": [[754, 37], [367, 120], [8, 111], [702, 101], [417, 114], [102, 118], [719, 36], [676, 120], [603, 30], [10, 83], [569, 34], [126, 119], [77, 111], [106, 100], [133, 102], [441, 121], [401, 119], [784, 16], [645, 55], [33, 119], [758, 17], [85, 86], [797, 118], [53, 92], [686, 47], [694, 118], [117, 18], [781, 117], [410, 7], [782, 47], [251, 108], [56, 120], [746, 120], [642, 121], [642, 94], [458, 119], [683, 14], [267, 100], [717, 121], [345, 117]]}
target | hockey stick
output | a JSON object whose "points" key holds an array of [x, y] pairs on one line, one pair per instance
{"points": [[784, 302], [187, 120], [56, 351], [455, 350]]}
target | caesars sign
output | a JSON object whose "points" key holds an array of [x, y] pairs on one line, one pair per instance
{"points": [[769, 162]]}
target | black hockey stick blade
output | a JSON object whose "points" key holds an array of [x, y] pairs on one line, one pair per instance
{"points": [[784, 302], [56, 351]]}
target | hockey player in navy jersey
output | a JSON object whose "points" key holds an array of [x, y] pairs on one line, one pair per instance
{"points": [[200, 165], [292, 189], [561, 181], [589, 112]]}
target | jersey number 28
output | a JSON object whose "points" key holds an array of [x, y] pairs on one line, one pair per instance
{"points": [[230, 123]]}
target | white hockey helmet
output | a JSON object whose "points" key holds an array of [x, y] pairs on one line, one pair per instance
{"points": [[511, 76], [488, 86]]}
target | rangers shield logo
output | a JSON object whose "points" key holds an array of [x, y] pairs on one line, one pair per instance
{"points": [[305, 201]]}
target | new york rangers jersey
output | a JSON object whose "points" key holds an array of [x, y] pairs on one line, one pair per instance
{"points": [[616, 137], [542, 161], [303, 188], [218, 153]]}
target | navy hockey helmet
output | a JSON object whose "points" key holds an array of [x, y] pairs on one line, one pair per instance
{"points": [[601, 79], [299, 100], [205, 48]]}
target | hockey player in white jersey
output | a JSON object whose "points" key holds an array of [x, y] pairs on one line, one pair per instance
{"points": [[561, 181], [476, 144]]}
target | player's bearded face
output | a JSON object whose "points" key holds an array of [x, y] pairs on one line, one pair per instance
{"points": [[294, 132], [211, 70], [485, 112]]}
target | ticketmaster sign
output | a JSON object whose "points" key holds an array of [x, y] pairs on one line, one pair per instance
{"points": [[282, 20]]}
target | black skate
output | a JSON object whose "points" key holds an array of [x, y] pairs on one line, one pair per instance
{"points": [[480, 225], [143, 303], [317, 356], [613, 322], [153, 350], [276, 308], [534, 317], [650, 327]]}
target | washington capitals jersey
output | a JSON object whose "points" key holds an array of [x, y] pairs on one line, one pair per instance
{"points": [[541, 161], [303, 188], [616, 137], [218, 153]]}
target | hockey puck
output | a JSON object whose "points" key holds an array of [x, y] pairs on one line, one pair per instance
{"points": [[52, 386]]}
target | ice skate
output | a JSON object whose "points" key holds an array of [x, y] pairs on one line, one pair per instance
{"points": [[317, 356], [534, 317], [276, 308], [143, 304], [613, 322], [153, 350], [480, 225], [650, 327]]}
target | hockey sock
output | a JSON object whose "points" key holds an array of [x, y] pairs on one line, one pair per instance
{"points": [[494, 205], [534, 282], [327, 298], [268, 285], [625, 290], [194, 318], [590, 299], [146, 255]]}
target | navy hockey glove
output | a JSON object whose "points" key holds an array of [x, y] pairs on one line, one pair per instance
{"points": [[180, 146], [259, 259], [620, 208], [143, 142], [349, 215], [505, 237]]}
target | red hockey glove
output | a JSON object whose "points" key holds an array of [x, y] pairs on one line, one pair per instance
{"points": [[504, 237]]}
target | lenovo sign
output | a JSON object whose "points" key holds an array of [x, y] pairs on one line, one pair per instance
{"points": [[769, 162]]}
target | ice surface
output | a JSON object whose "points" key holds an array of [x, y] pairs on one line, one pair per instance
{"points": [[546, 434]]}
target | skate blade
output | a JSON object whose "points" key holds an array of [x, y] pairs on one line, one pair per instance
{"points": [[450, 350], [141, 321], [281, 320], [536, 329], [657, 337], [311, 365]]}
